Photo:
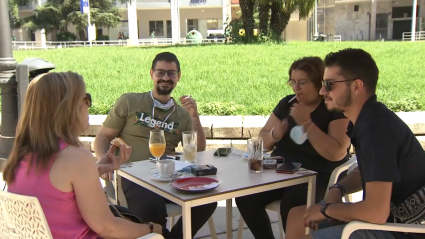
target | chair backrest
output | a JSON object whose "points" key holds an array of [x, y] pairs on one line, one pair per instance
{"points": [[22, 217], [338, 170]]}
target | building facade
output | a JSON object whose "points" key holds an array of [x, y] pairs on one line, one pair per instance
{"points": [[351, 19]]}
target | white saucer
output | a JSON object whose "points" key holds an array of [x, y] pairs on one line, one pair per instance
{"points": [[156, 177]]}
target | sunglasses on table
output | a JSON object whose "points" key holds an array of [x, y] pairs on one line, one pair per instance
{"points": [[87, 99], [161, 73]]}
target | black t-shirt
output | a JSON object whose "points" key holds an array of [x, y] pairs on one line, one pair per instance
{"points": [[388, 151], [305, 153]]}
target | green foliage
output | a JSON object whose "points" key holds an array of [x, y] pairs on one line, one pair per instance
{"points": [[234, 79], [57, 14], [103, 37], [66, 36]]}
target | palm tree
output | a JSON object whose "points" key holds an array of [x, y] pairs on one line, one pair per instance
{"points": [[55, 15], [247, 8], [273, 15]]}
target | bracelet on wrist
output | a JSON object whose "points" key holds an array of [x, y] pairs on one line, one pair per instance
{"points": [[272, 137], [340, 187], [323, 210]]}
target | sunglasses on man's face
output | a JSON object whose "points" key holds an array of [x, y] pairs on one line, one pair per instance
{"points": [[161, 73], [88, 100], [329, 83]]}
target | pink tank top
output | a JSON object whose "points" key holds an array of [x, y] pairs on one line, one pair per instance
{"points": [[60, 208]]}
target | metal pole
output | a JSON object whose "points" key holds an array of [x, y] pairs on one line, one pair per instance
{"points": [[413, 36], [315, 18], [89, 26], [9, 94]]}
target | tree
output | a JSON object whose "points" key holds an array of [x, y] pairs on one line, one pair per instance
{"points": [[14, 20], [247, 8], [57, 14], [273, 15]]}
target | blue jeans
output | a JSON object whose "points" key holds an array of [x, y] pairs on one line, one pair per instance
{"points": [[334, 231]]}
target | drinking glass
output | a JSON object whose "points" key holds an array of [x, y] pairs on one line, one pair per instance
{"points": [[190, 146], [157, 143], [255, 154]]}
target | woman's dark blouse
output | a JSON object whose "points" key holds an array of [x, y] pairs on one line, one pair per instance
{"points": [[305, 153]]}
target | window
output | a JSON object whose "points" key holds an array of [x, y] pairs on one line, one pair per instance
{"points": [[212, 24], [192, 24], [356, 8], [157, 26], [169, 30]]}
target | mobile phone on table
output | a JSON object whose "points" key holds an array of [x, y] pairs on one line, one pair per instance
{"points": [[222, 152], [288, 167]]}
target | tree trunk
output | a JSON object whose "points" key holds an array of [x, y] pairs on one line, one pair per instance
{"points": [[82, 35], [279, 19], [264, 16], [247, 8]]}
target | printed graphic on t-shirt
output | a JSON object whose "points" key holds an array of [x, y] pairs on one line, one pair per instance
{"points": [[144, 119]]}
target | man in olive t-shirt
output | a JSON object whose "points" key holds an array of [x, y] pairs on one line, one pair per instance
{"points": [[132, 118]]}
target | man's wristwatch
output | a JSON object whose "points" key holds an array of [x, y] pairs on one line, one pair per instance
{"points": [[150, 226], [323, 210], [340, 187]]}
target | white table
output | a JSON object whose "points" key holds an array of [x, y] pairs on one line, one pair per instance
{"points": [[236, 181]]}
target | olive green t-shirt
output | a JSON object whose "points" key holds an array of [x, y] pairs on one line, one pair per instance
{"points": [[132, 115]]}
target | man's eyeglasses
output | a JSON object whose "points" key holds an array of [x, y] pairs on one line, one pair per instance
{"points": [[88, 100], [328, 83], [161, 73]]}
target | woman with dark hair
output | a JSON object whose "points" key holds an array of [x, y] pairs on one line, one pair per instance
{"points": [[300, 129]]}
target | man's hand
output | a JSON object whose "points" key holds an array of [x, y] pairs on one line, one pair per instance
{"points": [[313, 215], [300, 113], [109, 176], [189, 104], [108, 163]]}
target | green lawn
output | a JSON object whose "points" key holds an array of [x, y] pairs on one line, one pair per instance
{"points": [[235, 79]]}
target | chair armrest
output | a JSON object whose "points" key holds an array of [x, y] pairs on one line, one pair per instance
{"points": [[338, 170], [394, 227], [152, 236]]}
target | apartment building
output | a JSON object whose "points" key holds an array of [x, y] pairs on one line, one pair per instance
{"points": [[351, 19]]}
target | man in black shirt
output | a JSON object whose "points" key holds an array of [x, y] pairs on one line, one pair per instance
{"points": [[390, 158]]}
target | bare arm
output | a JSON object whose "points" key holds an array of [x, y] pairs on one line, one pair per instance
{"points": [[374, 209], [103, 139], [92, 202], [280, 128], [201, 140], [352, 183], [332, 146]]}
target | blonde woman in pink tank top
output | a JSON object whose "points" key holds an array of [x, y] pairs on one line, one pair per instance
{"points": [[48, 161]]}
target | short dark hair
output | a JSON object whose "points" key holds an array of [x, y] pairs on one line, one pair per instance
{"points": [[313, 66], [167, 57], [355, 64]]}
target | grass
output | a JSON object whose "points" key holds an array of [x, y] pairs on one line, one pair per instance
{"points": [[235, 79]]}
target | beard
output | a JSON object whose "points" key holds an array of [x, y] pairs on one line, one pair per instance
{"points": [[344, 101], [164, 91]]}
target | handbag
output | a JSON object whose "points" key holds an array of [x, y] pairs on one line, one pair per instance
{"points": [[411, 210], [123, 212]]}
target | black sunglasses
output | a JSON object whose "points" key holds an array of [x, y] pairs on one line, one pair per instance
{"points": [[161, 73], [328, 84], [88, 100]]}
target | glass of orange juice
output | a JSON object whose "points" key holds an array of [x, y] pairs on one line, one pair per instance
{"points": [[157, 143]]}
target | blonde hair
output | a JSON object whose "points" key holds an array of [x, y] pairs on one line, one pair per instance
{"points": [[51, 111]]}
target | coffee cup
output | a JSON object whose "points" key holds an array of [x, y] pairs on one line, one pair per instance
{"points": [[166, 168]]}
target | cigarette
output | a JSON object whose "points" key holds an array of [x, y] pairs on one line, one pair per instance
{"points": [[293, 98]]}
